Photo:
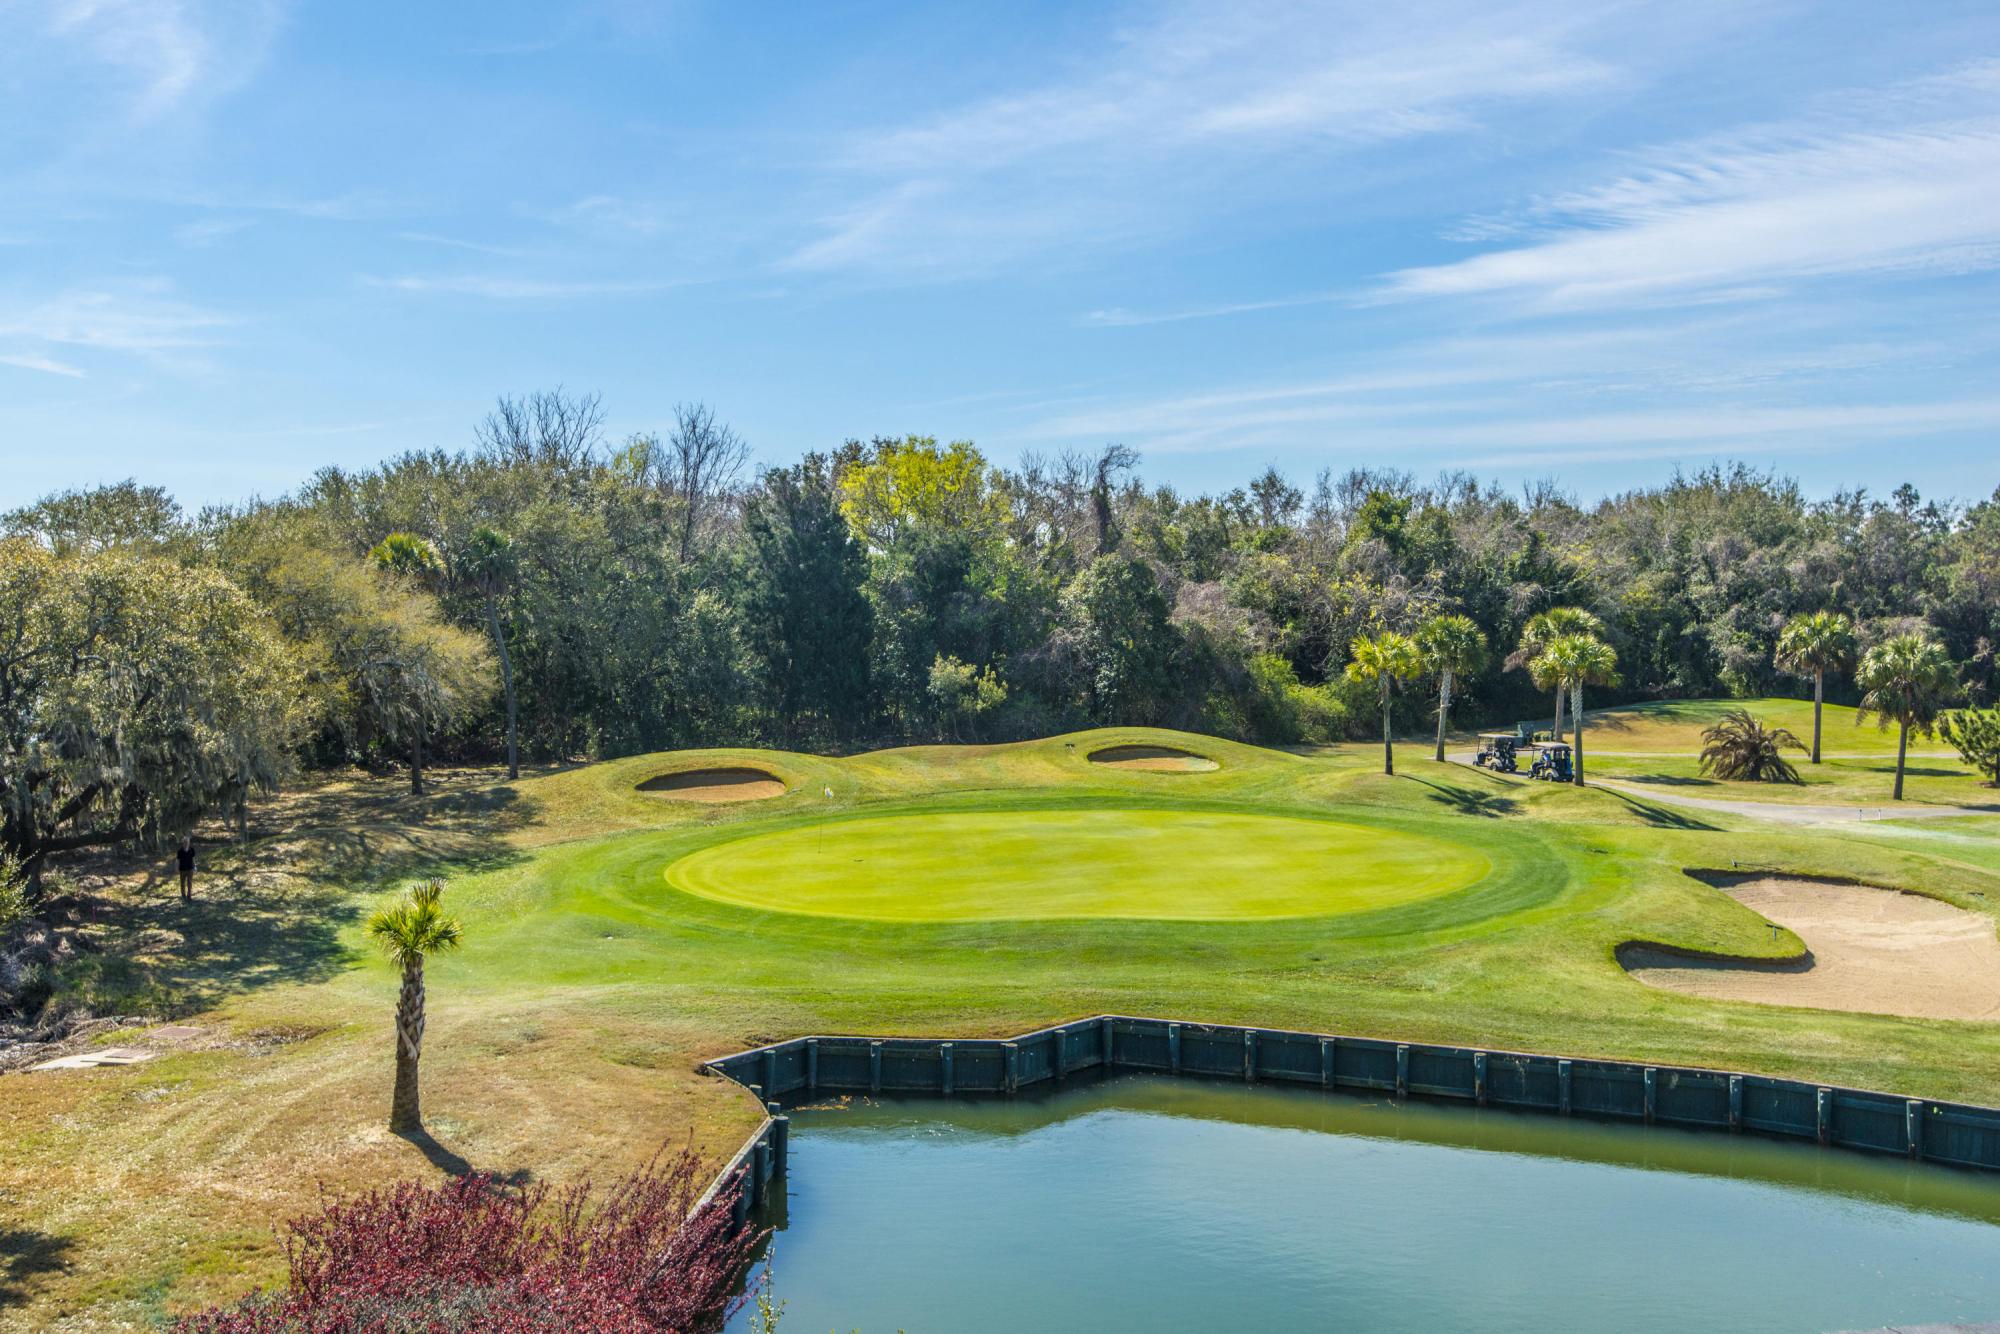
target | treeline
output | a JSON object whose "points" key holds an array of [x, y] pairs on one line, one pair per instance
{"points": [[549, 590]]}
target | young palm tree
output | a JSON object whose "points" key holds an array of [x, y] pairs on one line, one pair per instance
{"points": [[1571, 662], [1739, 748], [1542, 629], [1813, 644], [1907, 678], [1385, 659], [1449, 646], [409, 933]]}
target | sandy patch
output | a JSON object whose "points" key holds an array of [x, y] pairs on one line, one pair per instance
{"points": [[1875, 951], [715, 785], [1157, 759]]}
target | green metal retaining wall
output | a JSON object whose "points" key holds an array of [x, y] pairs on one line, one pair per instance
{"points": [[1963, 1136]]}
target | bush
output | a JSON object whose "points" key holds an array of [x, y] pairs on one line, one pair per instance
{"points": [[474, 1254], [1741, 749], [13, 894], [1280, 710]]}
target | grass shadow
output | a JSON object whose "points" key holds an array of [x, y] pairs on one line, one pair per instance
{"points": [[273, 909], [26, 1254], [455, 1164], [1668, 780], [1660, 817], [1467, 801]]}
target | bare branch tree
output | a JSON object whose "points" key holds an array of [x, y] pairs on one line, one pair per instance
{"points": [[552, 428], [703, 460]]}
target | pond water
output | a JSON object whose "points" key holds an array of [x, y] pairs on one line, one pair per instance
{"points": [[1142, 1203]]}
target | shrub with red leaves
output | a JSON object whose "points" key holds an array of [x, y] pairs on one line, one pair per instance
{"points": [[474, 1254]]}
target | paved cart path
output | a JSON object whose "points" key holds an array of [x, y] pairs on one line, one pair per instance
{"points": [[1781, 812]]}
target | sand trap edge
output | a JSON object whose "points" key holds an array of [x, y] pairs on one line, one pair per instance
{"points": [[1153, 759], [714, 785]]}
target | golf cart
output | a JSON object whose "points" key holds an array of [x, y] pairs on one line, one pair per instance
{"points": [[1497, 750], [1551, 762]]}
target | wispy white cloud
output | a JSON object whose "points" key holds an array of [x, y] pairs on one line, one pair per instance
{"points": [[500, 287], [207, 231], [1695, 384], [1119, 318], [1201, 111], [606, 214], [1748, 213], [459, 243], [47, 365], [143, 318], [162, 54]]}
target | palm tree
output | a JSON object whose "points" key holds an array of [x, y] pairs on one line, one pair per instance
{"points": [[1907, 678], [488, 566], [410, 932], [1542, 629], [1812, 644], [1384, 659], [1449, 646], [1573, 661], [1739, 748]]}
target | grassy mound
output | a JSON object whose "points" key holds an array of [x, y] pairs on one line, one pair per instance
{"points": [[1187, 865]]}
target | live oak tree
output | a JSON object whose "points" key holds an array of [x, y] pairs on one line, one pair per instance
{"points": [[381, 661], [424, 668], [136, 695], [410, 932], [1907, 678], [1813, 644]]}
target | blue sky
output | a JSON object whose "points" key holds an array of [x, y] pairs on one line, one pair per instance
{"points": [[240, 241]]}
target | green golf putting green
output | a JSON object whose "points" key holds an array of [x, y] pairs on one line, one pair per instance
{"points": [[1166, 864]]}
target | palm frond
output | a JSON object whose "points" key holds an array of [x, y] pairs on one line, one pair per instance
{"points": [[1740, 749]]}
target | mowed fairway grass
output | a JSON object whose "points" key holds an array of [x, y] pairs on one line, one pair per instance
{"points": [[1674, 726], [1169, 864], [615, 938]]}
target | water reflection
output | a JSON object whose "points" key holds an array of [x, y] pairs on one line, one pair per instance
{"points": [[1171, 1205]]}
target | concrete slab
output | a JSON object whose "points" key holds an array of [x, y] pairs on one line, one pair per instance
{"points": [[88, 1060]]}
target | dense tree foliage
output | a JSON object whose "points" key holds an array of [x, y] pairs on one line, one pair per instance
{"points": [[551, 594], [135, 696]]}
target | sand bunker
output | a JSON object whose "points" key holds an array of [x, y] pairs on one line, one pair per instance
{"points": [[1875, 951], [1159, 759], [713, 785]]}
